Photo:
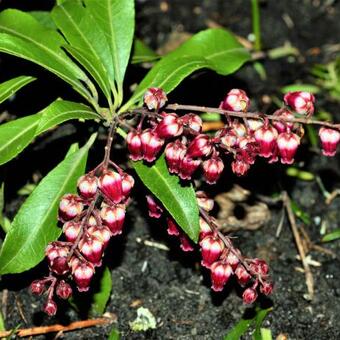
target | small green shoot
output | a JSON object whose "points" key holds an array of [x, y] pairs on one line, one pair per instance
{"points": [[332, 236], [299, 213], [243, 325]]}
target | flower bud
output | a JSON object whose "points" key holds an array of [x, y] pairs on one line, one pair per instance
{"points": [[87, 186], [220, 274], [185, 243], [59, 265], [266, 138], [54, 250], [155, 98], [192, 122], [187, 167], [174, 153], [287, 143], [113, 217], [101, 233], [127, 184], [71, 230], [172, 227], [283, 125], [70, 207], [134, 144], [50, 308], [233, 258], [212, 169], [110, 184], [82, 275], [266, 288], [242, 275], [211, 248], [228, 138], [259, 267], [205, 229], [239, 166], [37, 287], [155, 210], [329, 140], [204, 201], [63, 290], [254, 124], [235, 100], [301, 102], [239, 128], [92, 248], [249, 296], [170, 126], [200, 146], [151, 145]]}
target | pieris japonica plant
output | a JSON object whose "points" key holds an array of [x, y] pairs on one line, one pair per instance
{"points": [[73, 213]]}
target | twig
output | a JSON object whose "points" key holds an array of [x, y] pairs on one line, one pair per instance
{"points": [[298, 241], [57, 328]]}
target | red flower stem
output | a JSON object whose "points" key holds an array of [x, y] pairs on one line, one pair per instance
{"points": [[250, 115], [108, 146], [83, 224], [226, 241]]}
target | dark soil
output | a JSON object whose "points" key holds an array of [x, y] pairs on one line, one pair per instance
{"points": [[171, 284]]}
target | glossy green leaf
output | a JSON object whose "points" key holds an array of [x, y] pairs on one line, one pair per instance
{"points": [[102, 296], [24, 37], [215, 49], [44, 19], [142, 53], [178, 199], [17, 134], [87, 40], [34, 226], [5, 223], [334, 235], [116, 20], [9, 87], [62, 110]]}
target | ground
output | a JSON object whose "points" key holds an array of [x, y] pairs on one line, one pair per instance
{"points": [[169, 283]]}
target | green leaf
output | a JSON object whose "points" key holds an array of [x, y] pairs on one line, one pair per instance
{"points": [[101, 297], [142, 53], [239, 329], [23, 37], [215, 49], [334, 235], [17, 134], [300, 87], [44, 19], [179, 200], [62, 110], [5, 223], [243, 325], [9, 87], [116, 20], [302, 215], [2, 323], [35, 224], [88, 42], [114, 334]]}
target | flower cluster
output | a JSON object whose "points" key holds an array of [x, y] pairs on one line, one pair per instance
{"points": [[274, 138], [218, 252], [89, 220], [97, 212]]}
